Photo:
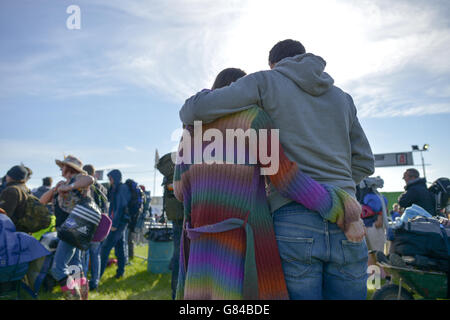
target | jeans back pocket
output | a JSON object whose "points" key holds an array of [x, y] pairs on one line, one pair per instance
{"points": [[295, 254], [355, 258]]}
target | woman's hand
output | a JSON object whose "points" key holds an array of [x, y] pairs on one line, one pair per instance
{"points": [[355, 231], [59, 184], [64, 188], [47, 197]]}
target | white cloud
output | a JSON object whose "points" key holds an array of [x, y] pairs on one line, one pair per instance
{"points": [[131, 149], [362, 41], [175, 48]]}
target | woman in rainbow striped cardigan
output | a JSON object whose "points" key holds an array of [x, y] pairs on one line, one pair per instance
{"points": [[228, 246]]}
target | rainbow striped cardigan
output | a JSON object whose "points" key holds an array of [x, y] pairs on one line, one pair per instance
{"points": [[228, 245]]}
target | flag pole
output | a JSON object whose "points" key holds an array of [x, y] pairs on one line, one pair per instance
{"points": [[154, 183], [154, 173]]}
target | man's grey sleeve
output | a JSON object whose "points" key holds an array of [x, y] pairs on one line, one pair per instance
{"points": [[363, 163], [208, 105]]}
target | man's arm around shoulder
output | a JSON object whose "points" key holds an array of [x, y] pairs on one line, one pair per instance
{"points": [[209, 105]]}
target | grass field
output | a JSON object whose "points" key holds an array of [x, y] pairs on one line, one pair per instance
{"points": [[392, 198], [137, 283]]}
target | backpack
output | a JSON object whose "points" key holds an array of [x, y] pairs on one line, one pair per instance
{"points": [[166, 166], [136, 204], [98, 193], [36, 216], [171, 206], [441, 191], [81, 225], [422, 236]]}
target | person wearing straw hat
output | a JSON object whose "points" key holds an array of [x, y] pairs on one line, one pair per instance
{"points": [[65, 196]]}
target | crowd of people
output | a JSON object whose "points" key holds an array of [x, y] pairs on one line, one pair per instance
{"points": [[78, 185], [303, 232], [380, 222]]}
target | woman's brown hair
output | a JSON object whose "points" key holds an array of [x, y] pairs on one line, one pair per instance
{"points": [[227, 77]]}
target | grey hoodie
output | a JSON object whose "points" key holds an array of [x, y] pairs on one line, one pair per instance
{"points": [[319, 129]]}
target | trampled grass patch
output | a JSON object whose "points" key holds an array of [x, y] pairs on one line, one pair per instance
{"points": [[137, 283]]}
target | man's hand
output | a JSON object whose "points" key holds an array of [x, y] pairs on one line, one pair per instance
{"points": [[113, 229], [355, 231]]}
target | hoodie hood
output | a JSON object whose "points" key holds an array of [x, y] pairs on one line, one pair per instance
{"points": [[307, 71], [416, 182], [116, 176]]}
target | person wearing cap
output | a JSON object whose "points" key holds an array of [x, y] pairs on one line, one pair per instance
{"points": [[13, 197], [65, 196]]}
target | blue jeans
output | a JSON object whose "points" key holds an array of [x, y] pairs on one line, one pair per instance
{"points": [[66, 261], [116, 240], [318, 261], [93, 254], [177, 229]]}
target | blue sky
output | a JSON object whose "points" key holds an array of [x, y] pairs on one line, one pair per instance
{"points": [[110, 92]]}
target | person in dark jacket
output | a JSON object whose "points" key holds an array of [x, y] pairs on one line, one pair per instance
{"points": [[119, 196], [416, 192], [46, 185], [13, 197]]}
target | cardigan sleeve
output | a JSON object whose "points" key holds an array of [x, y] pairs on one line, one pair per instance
{"points": [[332, 203]]}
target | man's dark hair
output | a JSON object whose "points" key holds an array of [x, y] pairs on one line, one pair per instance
{"points": [[227, 77], [413, 173], [47, 181], [89, 168], [284, 49]]}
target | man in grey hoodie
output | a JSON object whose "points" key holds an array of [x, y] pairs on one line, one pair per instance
{"points": [[320, 131]]}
